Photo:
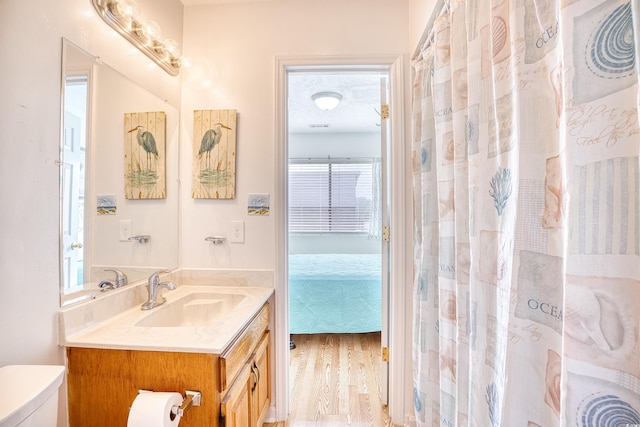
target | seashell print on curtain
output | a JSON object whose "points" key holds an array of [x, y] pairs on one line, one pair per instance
{"points": [[526, 176]]}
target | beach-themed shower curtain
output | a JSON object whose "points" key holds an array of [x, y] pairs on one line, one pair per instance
{"points": [[527, 216]]}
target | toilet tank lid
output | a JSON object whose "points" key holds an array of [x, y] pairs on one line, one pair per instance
{"points": [[24, 388]]}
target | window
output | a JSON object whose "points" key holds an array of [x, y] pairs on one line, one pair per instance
{"points": [[330, 196]]}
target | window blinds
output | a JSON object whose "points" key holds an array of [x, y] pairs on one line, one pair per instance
{"points": [[330, 196]]}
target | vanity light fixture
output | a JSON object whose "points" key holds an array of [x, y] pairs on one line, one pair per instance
{"points": [[124, 17], [326, 100]]}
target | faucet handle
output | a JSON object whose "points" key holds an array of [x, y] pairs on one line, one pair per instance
{"points": [[155, 276], [121, 278]]}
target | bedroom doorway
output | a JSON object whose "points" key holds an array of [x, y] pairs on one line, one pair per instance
{"points": [[337, 206]]}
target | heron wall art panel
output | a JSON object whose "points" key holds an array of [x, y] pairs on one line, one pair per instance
{"points": [[214, 154], [145, 155]]}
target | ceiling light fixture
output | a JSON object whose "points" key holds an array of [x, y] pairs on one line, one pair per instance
{"points": [[326, 100], [124, 17]]}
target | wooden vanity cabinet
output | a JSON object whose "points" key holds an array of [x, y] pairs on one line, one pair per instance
{"points": [[235, 385], [247, 401], [103, 383]]}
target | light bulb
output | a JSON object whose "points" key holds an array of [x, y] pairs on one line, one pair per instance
{"points": [[151, 31], [126, 9], [172, 47], [185, 62]]}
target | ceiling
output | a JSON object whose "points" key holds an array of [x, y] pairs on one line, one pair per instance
{"points": [[357, 111]]}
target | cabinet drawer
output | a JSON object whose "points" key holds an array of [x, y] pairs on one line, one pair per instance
{"points": [[236, 355]]}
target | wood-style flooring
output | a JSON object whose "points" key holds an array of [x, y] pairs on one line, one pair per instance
{"points": [[335, 382]]}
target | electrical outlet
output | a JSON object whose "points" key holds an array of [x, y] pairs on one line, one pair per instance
{"points": [[237, 232], [124, 230]]}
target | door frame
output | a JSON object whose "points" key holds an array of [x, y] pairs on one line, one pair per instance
{"points": [[399, 213]]}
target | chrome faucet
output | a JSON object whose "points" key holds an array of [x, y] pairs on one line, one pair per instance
{"points": [[154, 287], [121, 280]]}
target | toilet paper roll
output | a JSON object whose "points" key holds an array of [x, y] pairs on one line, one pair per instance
{"points": [[153, 409]]}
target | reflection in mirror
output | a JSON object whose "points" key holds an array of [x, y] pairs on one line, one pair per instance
{"points": [[95, 240], [75, 119], [77, 79]]}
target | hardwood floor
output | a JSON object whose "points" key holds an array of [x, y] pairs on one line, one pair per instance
{"points": [[334, 381]]}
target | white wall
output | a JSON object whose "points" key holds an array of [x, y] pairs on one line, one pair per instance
{"points": [[234, 47], [419, 14], [30, 43]]}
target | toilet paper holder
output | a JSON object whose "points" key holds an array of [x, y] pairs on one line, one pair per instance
{"points": [[192, 398]]}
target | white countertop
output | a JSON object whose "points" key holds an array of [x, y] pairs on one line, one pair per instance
{"points": [[119, 331]]}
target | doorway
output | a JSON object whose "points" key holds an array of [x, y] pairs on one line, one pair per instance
{"points": [[393, 305], [336, 205], [335, 201]]}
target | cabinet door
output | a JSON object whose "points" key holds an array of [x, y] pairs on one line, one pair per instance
{"points": [[261, 383], [236, 406]]}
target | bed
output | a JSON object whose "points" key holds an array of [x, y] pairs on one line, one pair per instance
{"points": [[335, 293]]}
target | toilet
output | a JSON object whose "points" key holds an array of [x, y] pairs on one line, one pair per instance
{"points": [[29, 395]]}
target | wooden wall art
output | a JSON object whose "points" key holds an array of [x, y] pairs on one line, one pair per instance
{"points": [[214, 154], [145, 155]]}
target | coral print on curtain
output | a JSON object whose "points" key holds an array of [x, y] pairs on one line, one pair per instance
{"points": [[526, 177]]}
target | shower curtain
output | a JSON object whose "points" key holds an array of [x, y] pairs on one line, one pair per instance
{"points": [[527, 218]]}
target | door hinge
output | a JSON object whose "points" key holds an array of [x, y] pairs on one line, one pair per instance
{"points": [[386, 233], [385, 111], [385, 354]]}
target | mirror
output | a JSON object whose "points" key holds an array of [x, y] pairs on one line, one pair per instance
{"points": [[104, 225]]}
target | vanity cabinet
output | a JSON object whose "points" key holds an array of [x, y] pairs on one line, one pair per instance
{"points": [[235, 385], [247, 401]]}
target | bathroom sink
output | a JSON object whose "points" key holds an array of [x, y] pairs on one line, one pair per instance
{"points": [[195, 309]]}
